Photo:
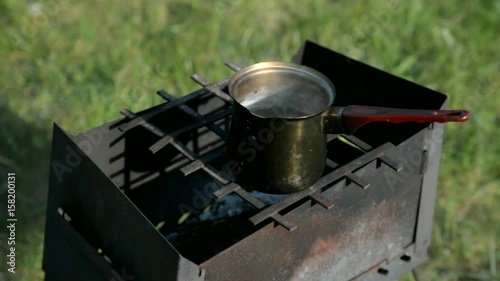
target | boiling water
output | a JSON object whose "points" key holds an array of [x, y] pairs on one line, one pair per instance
{"points": [[270, 105]]}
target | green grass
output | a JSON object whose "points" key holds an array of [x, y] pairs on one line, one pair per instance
{"points": [[80, 63]]}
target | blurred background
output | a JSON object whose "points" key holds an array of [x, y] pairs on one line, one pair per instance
{"points": [[80, 63]]}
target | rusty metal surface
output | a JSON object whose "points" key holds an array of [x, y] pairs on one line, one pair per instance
{"points": [[433, 143], [364, 227], [344, 171]]}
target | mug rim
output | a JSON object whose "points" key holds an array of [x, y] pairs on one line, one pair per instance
{"points": [[317, 76]]}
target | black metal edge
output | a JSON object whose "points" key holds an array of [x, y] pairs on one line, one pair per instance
{"points": [[308, 45], [86, 249], [434, 138], [299, 55], [83, 193], [57, 249]]}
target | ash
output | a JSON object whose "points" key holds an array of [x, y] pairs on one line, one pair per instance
{"points": [[227, 207], [232, 205]]}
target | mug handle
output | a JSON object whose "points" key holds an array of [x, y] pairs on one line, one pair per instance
{"points": [[348, 119]]}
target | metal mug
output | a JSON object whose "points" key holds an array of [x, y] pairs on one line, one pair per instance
{"points": [[282, 113]]}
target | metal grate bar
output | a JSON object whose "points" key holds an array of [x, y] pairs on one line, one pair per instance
{"points": [[318, 198], [285, 223], [161, 143], [360, 143], [213, 173], [184, 150], [162, 108], [232, 187], [331, 177], [331, 164], [201, 120], [141, 121], [208, 120], [232, 66], [331, 137], [213, 88], [198, 79], [249, 198], [226, 190], [358, 181], [192, 157], [211, 118], [393, 164], [259, 205], [179, 146], [216, 153], [192, 167], [157, 131]]}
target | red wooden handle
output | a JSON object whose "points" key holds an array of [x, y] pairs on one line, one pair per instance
{"points": [[355, 116]]}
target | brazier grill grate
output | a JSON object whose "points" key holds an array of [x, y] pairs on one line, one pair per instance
{"points": [[351, 225], [312, 193]]}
